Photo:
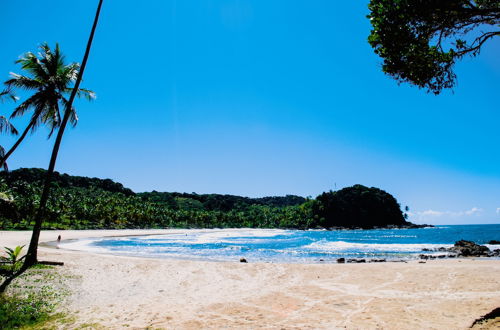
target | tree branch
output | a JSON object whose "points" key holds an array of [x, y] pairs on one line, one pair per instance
{"points": [[479, 41]]}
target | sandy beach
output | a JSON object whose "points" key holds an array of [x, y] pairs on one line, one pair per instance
{"points": [[118, 292]]}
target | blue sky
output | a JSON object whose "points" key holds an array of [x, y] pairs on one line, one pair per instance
{"points": [[261, 98]]}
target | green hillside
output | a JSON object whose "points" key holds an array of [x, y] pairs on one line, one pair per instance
{"points": [[91, 203]]}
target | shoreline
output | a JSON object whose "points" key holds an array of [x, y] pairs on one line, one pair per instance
{"points": [[122, 291], [441, 251]]}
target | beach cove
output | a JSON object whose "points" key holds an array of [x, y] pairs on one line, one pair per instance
{"points": [[115, 292]]}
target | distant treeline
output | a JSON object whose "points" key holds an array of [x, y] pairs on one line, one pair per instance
{"points": [[90, 203], [217, 202]]}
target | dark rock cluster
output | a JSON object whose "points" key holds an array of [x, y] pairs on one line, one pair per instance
{"points": [[462, 248], [440, 256], [358, 260], [470, 249]]}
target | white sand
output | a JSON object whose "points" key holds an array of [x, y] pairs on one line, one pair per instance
{"points": [[126, 292]]}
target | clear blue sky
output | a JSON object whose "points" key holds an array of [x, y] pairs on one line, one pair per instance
{"points": [[261, 98]]}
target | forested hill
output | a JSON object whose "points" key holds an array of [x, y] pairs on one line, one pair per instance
{"points": [[210, 202], [218, 202], [90, 203], [37, 175]]}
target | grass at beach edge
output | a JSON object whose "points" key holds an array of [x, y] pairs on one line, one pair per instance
{"points": [[33, 299]]}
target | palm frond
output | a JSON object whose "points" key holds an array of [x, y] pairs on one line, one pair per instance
{"points": [[82, 92], [68, 75], [6, 126], [52, 118], [31, 102], [32, 64], [2, 154], [8, 93], [73, 118], [23, 82], [51, 80]]}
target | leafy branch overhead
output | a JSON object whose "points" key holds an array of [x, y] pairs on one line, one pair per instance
{"points": [[420, 40]]}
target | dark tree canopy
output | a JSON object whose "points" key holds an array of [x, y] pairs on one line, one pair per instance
{"points": [[218, 202], [91, 203], [420, 40], [37, 175], [358, 206]]}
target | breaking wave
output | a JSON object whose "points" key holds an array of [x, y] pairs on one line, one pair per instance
{"points": [[276, 245]]}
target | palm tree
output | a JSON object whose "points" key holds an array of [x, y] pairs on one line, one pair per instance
{"points": [[31, 256], [49, 77]]}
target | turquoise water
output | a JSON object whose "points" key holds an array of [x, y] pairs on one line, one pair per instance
{"points": [[272, 245]]}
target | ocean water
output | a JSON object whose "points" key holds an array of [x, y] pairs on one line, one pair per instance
{"points": [[290, 246]]}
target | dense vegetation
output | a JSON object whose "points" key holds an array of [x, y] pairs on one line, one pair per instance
{"points": [[420, 40], [91, 203], [359, 206]]}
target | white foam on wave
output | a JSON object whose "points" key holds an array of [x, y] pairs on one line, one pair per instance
{"points": [[342, 246], [188, 237], [228, 242], [83, 245], [216, 236]]}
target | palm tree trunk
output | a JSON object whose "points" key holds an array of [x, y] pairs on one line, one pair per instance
{"points": [[31, 257], [18, 142]]}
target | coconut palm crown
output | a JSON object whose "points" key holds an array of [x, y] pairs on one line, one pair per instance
{"points": [[51, 80]]}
